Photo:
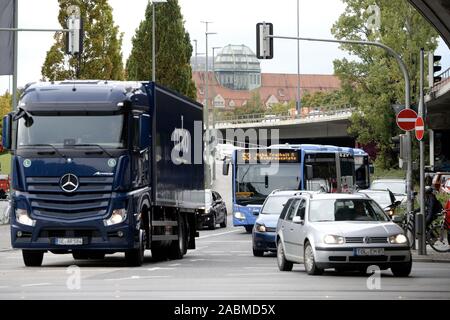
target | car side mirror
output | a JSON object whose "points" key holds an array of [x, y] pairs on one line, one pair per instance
{"points": [[225, 168], [397, 203], [298, 220], [309, 172], [397, 219]]}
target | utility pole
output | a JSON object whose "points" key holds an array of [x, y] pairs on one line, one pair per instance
{"points": [[299, 101], [213, 114], [420, 218]]}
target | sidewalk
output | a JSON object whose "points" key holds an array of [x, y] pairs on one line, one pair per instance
{"points": [[432, 256]]}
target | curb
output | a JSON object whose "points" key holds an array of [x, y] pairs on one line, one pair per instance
{"points": [[426, 259]]}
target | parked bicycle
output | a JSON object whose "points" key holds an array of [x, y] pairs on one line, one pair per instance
{"points": [[437, 233]]}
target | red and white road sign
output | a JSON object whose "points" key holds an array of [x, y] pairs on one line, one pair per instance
{"points": [[420, 128], [406, 119]]}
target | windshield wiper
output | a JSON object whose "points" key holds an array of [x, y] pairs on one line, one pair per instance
{"points": [[48, 145], [93, 145]]}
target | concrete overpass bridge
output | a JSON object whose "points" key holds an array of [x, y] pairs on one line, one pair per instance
{"points": [[321, 127]]}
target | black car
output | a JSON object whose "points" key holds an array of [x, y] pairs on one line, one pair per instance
{"points": [[215, 211]]}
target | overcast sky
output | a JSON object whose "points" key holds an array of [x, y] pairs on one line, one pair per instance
{"points": [[233, 20]]}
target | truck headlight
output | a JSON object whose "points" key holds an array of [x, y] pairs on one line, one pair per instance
{"points": [[398, 239], [331, 239], [117, 216], [260, 228], [22, 217], [239, 215]]}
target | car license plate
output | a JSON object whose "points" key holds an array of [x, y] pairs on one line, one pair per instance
{"points": [[69, 241], [369, 252]]}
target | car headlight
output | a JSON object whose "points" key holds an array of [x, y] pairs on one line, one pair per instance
{"points": [[331, 239], [239, 215], [117, 216], [260, 228], [22, 217], [398, 239]]}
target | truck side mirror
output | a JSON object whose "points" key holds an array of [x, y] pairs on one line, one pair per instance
{"points": [[6, 132], [225, 167], [309, 172], [144, 132]]}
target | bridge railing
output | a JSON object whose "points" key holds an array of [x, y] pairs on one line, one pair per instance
{"points": [[445, 79], [329, 112]]}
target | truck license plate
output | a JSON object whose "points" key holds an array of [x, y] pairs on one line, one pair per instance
{"points": [[69, 241], [369, 252]]}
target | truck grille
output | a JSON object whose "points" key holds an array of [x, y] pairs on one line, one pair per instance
{"points": [[90, 199]]}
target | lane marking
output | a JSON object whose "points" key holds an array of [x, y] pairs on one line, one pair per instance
{"points": [[159, 268], [175, 265], [252, 274], [36, 285], [218, 234], [136, 278]]}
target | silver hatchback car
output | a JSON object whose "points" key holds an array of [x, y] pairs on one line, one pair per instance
{"points": [[340, 231]]}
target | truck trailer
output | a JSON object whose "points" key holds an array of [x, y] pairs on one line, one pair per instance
{"points": [[101, 167]]}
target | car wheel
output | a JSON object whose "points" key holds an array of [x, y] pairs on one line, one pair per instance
{"points": [[249, 229], [283, 264], [212, 226], [258, 253], [224, 223], [32, 258], [310, 263], [402, 270]]}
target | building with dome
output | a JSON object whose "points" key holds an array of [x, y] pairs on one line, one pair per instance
{"points": [[235, 76]]}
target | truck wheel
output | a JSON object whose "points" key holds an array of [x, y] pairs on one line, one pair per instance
{"points": [[159, 253], [178, 248], [135, 257], [32, 258]]}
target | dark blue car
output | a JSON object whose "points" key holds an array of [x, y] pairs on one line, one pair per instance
{"points": [[264, 231]]}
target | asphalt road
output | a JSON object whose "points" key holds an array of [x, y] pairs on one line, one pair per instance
{"points": [[222, 267]]}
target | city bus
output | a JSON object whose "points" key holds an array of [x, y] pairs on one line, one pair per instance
{"points": [[257, 172]]}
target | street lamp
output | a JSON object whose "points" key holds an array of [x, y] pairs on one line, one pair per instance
{"points": [[214, 58], [206, 107], [299, 101], [153, 38]]}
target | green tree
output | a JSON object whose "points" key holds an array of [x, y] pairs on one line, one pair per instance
{"points": [[325, 99], [102, 56], [374, 82], [173, 50], [253, 106]]}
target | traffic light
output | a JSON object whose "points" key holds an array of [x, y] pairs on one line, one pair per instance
{"points": [[264, 44], [433, 66]]}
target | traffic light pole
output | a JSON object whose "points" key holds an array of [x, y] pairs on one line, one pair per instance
{"points": [[420, 217], [404, 70]]}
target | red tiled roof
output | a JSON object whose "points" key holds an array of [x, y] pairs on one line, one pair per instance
{"points": [[282, 86]]}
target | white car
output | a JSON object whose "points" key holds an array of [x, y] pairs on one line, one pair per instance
{"points": [[340, 231]]}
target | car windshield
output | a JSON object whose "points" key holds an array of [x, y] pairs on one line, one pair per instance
{"points": [[107, 131], [382, 198], [395, 187], [345, 210], [274, 205]]}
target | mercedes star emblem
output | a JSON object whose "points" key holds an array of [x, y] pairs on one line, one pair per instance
{"points": [[69, 183]]}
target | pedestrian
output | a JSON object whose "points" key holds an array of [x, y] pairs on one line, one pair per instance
{"points": [[432, 206]]}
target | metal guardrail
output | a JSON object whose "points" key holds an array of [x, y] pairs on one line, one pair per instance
{"points": [[265, 118], [445, 79]]}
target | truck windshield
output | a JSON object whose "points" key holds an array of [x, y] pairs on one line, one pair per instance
{"points": [[107, 131], [253, 185]]}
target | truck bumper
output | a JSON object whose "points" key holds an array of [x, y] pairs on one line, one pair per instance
{"points": [[94, 235]]}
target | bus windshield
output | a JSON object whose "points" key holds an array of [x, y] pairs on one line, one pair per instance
{"points": [[254, 182], [362, 171], [324, 173]]}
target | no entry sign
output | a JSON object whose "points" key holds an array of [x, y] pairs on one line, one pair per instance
{"points": [[420, 128], [406, 119]]}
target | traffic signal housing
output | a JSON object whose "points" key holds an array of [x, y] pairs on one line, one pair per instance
{"points": [[264, 43], [433, 66]]}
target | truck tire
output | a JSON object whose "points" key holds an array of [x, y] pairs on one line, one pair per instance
{"points": [[135, 257], [159, 253], [32, 258], [178, 248]]}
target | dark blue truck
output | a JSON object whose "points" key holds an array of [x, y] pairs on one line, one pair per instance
{"points": [[103, 167]]}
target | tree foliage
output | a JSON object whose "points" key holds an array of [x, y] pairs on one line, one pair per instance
{"points": [[374, 82], [173, 50], [324, 99], [253, 106], [102, 56]]}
